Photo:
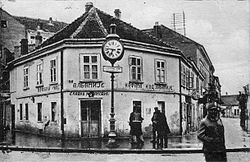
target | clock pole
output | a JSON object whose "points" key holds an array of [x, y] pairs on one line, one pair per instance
{"points": [[108, 56]]}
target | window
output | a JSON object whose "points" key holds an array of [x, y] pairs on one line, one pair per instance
{"points": [[183, 76], [197, 84], [26, 111], [135, 65], [191, 85], [187, 78], [90, 67], [4, 24], [39, 112], [160, 68], [1, 51], [53, 111], [53, 71], [26, 76], [21, 111], [39, 74]]}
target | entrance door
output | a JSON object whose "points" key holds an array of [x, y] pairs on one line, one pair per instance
{"points": [[90, 118], [161, 105]]}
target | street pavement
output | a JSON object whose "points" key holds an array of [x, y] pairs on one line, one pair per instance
{"points": [[185, 148], [164, 157]]}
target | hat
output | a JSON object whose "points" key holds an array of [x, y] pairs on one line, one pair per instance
{"points": [[156, 108], [212, 106]]}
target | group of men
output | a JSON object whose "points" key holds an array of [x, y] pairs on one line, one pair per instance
{"points": [[160, 128], [211, 131]]}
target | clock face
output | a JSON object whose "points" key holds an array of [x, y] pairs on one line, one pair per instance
{"points": [[113, 49]]}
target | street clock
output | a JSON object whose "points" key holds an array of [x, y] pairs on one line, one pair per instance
{"points": [[112, 50]]}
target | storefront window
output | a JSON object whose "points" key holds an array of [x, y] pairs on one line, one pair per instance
{"points": [[39, 112]]}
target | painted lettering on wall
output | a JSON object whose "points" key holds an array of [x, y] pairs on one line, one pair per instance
{"points": [[89, 85], [149, 87], [49, 88], [90, 93]]}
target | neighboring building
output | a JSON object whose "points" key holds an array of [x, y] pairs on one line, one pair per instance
{"points": [[37, 31], [13, 31], [230, 105], [61, 89], [196, 53]]}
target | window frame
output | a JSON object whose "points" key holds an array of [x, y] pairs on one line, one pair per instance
{"points": [[21, 111], [164, 76], [6, 23], [53, 71], [183, 75], [90, 65], [39, 73], [39, 112], [26, 71], [53, 115], [131, 66], [26, 111]]}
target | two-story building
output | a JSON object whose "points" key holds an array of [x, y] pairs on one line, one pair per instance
{"points": [[61, 88]]}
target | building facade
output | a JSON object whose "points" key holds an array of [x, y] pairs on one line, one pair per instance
{"points": [[61, 88]]}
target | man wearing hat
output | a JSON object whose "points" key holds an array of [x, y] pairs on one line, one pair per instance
{"points": [[211, 133]]}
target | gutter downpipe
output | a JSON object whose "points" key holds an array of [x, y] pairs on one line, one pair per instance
{"points": [[62, 99], [180, 109]]}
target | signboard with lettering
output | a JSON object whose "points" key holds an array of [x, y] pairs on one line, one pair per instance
{"points": [[149, 87], [112, 69]]}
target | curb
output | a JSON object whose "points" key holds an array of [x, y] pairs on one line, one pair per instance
{"points": [[115, 151]]}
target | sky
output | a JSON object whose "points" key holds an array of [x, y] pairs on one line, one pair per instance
{"points": [[221, 26]]}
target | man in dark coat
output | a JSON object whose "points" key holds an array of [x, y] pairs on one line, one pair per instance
{"points": [[163, 131], [155, 120], [211, 133]]}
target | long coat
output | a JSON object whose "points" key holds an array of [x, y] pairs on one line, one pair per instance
{"points": [[135, 120], [211, 133]]}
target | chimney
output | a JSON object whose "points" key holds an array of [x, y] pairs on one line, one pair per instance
{"points": [[50, 21], [24, 46], [88, 6], [38, 39], [157, 30], [117, 13]]}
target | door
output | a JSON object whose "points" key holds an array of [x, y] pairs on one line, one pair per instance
{"points": [[90, 118], [161, 105]]}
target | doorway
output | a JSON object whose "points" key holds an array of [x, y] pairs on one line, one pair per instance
{"points": [[161, 105], [90, 118]]}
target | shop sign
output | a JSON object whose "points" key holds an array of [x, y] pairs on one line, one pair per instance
{"points": [[149, 87], [49, 88], [88, 85], [89, 93]]}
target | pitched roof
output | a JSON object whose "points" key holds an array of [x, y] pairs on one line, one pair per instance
{"points": [[187, 45], [229, 100], [95, 24], [31, 23]]}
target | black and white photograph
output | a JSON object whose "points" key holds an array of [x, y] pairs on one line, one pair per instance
{"points": [[125, 80]]}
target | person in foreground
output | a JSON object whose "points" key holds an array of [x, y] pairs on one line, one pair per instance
{"points": [[211, 133]]}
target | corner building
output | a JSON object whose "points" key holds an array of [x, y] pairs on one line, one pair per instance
{"points": [[60, 88]]}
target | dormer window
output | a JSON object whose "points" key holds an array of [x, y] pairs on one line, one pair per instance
{"points": [[4, 24]]}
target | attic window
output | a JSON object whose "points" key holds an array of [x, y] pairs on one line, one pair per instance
{"points": [[3, 23]]}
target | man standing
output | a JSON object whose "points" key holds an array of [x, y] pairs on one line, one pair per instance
{"points": [[135, 120], [211, 133], [155, 122], [163, 131]]}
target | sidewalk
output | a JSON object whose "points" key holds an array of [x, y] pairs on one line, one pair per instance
{"points": [[236, 140]]}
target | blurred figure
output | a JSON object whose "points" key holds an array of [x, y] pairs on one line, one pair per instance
{"points": [[155, 120], [135, 121], [211, 133], [163, 131]]}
